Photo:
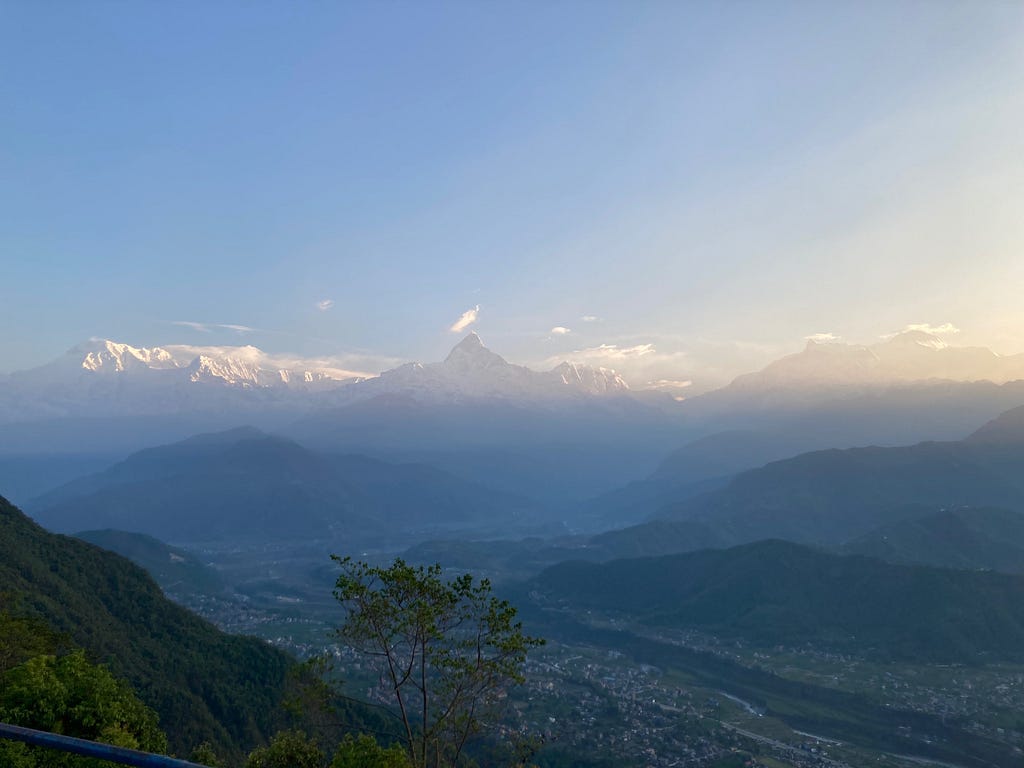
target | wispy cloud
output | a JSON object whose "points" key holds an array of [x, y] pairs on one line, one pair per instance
{"points": [[590, 318], [325, 304], [560, 330], [209, 327], [202, 327], [465, 320], [615, 352], [935, 330], [823, 338], [636, 360], [669, 384]]}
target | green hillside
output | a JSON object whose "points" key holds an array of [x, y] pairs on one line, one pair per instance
{"points": [[177, 571], [205, 685], [775, 592], [832, 497], [965, 538]]}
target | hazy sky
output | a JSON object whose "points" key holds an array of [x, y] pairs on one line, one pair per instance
{"points": [[678, 190]]}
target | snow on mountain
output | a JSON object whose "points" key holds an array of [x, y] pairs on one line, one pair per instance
{"points": [[102, 356], [905, 357], [232, 366], [102, 377], [473, 372]]}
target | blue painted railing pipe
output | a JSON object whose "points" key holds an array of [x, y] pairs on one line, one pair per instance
{"points": [[88, 748]]}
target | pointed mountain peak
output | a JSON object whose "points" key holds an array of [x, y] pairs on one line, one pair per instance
{"points": [[471, 342], [471, 353]]}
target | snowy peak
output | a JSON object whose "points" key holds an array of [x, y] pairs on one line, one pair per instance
{"points": [[232, 366], [470, 354], [594, 380], [472, 372], [228, 370], [105, 356], [468, 345], [909, 340], [103, 377], [905, 357]]}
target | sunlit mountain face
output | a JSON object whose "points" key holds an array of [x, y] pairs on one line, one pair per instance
{"points": [[905, 357], [93, 376]]}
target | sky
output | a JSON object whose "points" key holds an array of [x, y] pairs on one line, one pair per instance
{"points": [[682, 191]]}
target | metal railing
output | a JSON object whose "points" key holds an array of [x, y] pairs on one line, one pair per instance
{"points": [[88, 748]]}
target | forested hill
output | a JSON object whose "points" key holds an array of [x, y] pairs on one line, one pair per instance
{"points": [[776, 592], [204, 684]]}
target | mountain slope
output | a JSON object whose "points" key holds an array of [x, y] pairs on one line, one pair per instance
{"points": [[107, 378], [472, 371], [206, 685], [703, 465], [830, 497], [248, 486], [965, 538], [775, 592], [912, 355], [179, 573]]}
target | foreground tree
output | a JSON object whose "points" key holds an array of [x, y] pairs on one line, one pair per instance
{"points": [[287, 749], [363, 751], [69, 695], [445, 650]]}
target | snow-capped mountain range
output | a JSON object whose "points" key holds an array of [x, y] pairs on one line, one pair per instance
{"points": [[102, 377], [905, 357], [472, 371], [230, 366]]}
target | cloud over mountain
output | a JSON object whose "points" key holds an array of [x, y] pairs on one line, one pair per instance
{"points": [[465, 320]]}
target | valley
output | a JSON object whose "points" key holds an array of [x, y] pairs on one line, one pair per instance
{"points": [[606, 685]]}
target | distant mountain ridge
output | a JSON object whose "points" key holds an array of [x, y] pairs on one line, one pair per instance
{"points": [[90, 377], [833, 496], [102, 377], [908, 356], [472, 371], [244, 366], [246, 485], [966, 538]]}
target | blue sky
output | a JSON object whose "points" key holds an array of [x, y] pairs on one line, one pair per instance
{"points": [[710, 182]]}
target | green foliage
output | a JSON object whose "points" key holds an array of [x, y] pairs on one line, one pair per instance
{"points": [[288, 749], [309, 695], [446, 651], [70, 696], [206, 755], [14, 754], [363, 751], [315, 702], [22, 637], [205, 685]]}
